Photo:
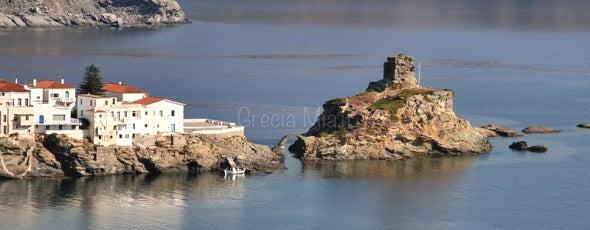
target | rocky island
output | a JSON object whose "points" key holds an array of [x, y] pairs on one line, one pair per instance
{"points": [[54, 156], [395, 118], [110, 13]]}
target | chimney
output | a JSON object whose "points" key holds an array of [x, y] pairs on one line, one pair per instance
{"points": [[61, 80], [34, 82], [16, 80], [119, 82]]}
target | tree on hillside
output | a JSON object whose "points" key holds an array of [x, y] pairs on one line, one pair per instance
{"points": [[92, 82]]}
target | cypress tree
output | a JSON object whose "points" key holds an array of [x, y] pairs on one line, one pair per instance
{"points": [[92, 83]]}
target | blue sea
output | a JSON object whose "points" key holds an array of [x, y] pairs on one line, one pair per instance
{"points": [[270, 65]]}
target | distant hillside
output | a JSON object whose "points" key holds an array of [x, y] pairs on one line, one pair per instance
{"points": [[115, 13]]}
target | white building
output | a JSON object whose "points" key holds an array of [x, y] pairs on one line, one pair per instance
{"points": [[123, 92], [16, 113], [43, 108], [113, 121], [52, 103]]}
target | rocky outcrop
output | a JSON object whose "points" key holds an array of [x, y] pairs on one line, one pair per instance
{"points": [[58, 156], [394, 119], [539, 129], [519, 146], [502, 131], [523, 146], [113, 13], [584, 125], [537, 149]]}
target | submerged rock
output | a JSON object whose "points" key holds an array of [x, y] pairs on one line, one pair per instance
{"points": [[539, 129], [58, 156], [537, 149], [502, 131], [584, 125], [112, 13], [395, 119], [519, 146]]}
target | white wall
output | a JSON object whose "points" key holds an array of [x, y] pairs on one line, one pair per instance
{"points": [[162, 122]]}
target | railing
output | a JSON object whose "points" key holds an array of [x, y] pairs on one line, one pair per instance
{"points": [[210, 121]]}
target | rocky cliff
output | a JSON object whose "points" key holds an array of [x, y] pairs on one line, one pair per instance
{"points": [[58, 156], [394, 119], [115, 13]]}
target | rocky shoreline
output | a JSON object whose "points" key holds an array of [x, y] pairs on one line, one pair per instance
{"points": [[83, 13], [395, 118], [56, 156]]}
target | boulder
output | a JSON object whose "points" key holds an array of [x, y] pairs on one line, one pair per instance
{"points": [[502, 131], [537, 149], [519, 146], [539, 129], [487, 132], [584, 125]]}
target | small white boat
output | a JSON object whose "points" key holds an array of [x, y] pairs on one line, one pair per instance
{"points": [[234, 171]]}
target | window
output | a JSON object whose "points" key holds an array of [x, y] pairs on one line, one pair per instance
{"points": [[112, 114], [3, 94], [60, 127], [172, 113], [67, 94], [99, 137], [146, 113], [126, 135], [73, 127], [5, 127], [48, 127], [90, 102], [145, 125], [26, 102], [113, 101], [4, 118], [106, 102], [133, 126], [119, 115], [59, 117], [161, 113], [38, 97], [134, 114], [20, 102], [125, 113], [81, 113], [120, 136], [27, 118], [80, 101], [99, 115], [55, 95]]}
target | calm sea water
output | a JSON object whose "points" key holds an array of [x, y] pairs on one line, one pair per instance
{"points": [[271, 64]]}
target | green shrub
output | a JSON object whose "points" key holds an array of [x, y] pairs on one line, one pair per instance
{"points": [[391, 105]]}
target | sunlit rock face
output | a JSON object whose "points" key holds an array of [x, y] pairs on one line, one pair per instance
{"points": [[395, 118], [113, 13]]}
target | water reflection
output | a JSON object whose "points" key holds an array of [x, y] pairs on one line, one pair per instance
{"points": [[376, 168], [110, 202]]}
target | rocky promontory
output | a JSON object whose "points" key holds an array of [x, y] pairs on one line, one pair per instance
{"points": [[112, 13], [59, 156], [395, 118]]}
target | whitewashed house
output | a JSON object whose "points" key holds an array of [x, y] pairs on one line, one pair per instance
{"points": [[52, 103], [116, 122], [16, 112], [123, 92]]}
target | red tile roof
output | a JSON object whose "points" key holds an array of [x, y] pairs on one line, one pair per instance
{"points": [[8, 86], [121, 88], [148, 100], [49, 84]]}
